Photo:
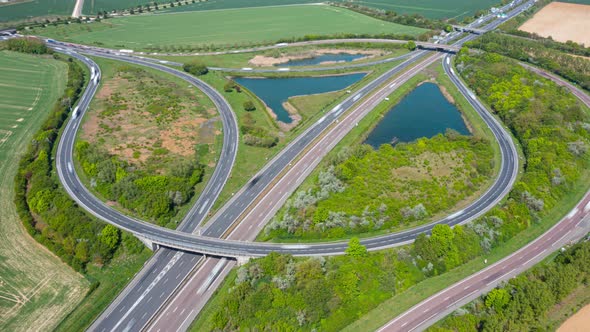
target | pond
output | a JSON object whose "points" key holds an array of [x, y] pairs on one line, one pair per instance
{"points": [[425, 112], [275, 91], [338, 57]]}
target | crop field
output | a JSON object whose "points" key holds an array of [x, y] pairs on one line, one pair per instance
{"points": [[28, 9], [36, 289], [431, 8], [548, 22], [224, 27]]}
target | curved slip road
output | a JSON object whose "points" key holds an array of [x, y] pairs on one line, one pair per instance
{"points": [[572, 227], [210, 244], [133, 319]]}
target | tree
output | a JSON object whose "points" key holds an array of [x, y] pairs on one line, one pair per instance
{"points": [[196, 68], [356, 249], [249, 106], [110, 236], [411, 45], [497, 299]]}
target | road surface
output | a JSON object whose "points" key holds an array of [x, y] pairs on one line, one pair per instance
{"points": [[572, 227], [176, 261]]}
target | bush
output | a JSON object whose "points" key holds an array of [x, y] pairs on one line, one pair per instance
{"points": [[27, 45], [249, 106], [195, 68]]}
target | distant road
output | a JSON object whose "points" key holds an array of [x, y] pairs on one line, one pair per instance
{"points": [[78, 8]]}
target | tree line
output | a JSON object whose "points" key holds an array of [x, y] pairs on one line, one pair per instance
{"points": [[546, 54], [46, 211]]}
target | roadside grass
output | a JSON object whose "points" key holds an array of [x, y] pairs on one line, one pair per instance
{"points": [[401, 302], [568, 307], [359, 134], [37, 288], [247, 25], [112, 280]]}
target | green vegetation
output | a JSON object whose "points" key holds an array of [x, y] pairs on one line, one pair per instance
{"points": [[107, 282], [37, 9], [523, 303], [48, 214], [413, 11], [30, 87], [363, 190], [546, 54], [146, 140], [26, 45], [282, 293], [195, 68], [106, 256], [272, 23], [240, 60]]}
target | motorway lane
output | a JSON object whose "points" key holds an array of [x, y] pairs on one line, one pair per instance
{"points": [[337, 110], [186, 296], [571, 228], [234, 208]]}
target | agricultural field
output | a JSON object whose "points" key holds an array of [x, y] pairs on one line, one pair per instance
{"points": [[33, 8], [36, 289], [432, 8], [249, 25], [549, 22]]}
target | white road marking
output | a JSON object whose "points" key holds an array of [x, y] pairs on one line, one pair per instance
{"points": [[572, 213], [203, 207]]}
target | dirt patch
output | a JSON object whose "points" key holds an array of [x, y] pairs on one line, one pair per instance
{"points": [[561, 21], [293, 113], [267, 61], [142, 118], [578, 322], [427, 166]]}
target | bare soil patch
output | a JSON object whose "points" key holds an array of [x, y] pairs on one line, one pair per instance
{"points": [[578, 322], [561, 21], [143, 119], [266, 61]]}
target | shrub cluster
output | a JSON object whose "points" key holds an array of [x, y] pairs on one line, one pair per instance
{"points": [[27, 45], [46, 211]]}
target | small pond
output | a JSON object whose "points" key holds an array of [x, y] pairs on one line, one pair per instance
{"points": [[275, 91], [339, 57], [425, 112]]}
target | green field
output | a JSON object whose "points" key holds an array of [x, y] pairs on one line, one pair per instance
{"points": [[36, 289], [224, 27], [33, 8], [432, 8]]}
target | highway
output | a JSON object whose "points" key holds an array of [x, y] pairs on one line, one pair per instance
{"points": [[227, 216], [196, 291], [175, 238], [64, 159], [571, 228]]}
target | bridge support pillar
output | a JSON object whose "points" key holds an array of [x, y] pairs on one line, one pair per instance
{"points": [[148, 243], [243, 260]]}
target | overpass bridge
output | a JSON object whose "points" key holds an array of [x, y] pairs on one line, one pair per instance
{"points": [[468, 29], [438, 47]]}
